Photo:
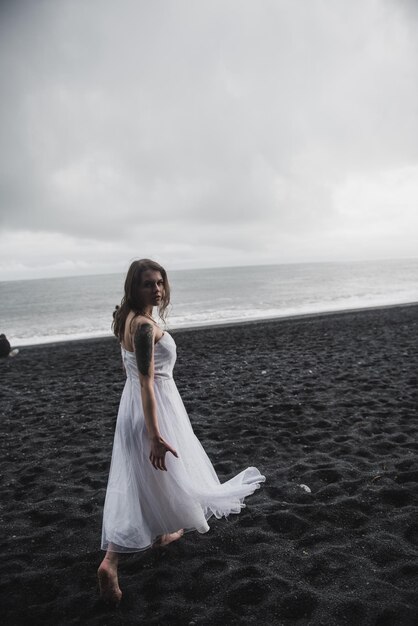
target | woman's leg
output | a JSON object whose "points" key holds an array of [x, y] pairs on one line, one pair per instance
{"points": [[164, 540], [108, 578]]}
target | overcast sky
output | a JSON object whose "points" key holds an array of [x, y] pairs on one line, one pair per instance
{"points": [[206, 133]]}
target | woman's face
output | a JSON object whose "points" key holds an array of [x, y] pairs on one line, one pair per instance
{"points": [[151, 288]]}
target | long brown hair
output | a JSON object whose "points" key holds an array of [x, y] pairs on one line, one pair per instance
{"points": [[131, 300]]}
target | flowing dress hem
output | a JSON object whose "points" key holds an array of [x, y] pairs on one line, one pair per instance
{"points": [[201, 530], [122, 549]]}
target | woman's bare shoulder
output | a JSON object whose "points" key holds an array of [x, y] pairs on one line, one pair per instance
{"points": [[132, 325], [140, 321], [142, 328]]}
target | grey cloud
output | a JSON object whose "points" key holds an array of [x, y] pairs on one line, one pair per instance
{"points": [[139, 115]]}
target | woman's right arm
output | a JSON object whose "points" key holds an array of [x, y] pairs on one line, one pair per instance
{"points": [[144, 352]]}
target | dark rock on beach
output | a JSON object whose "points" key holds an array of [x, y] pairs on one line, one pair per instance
{"points": [[325, 406]]}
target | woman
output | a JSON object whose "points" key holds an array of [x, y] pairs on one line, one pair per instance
{"points": [[161, 482]]}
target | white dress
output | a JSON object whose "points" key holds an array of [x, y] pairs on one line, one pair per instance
{"points": [[142, 502]]}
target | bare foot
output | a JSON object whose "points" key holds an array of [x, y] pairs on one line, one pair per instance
{"points": [[108, 583], [164, 540]]}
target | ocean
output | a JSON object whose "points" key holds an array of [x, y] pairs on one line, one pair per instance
{"points": [[59, 309]]}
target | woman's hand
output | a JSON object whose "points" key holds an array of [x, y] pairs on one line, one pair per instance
{"points": [[159, 448]]}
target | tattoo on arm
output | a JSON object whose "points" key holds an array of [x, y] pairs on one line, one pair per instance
{"points": [[143, 341]]}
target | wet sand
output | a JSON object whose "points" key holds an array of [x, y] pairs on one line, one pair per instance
{"points": [[325, 401]]}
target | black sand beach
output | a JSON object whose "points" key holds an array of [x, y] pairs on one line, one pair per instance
{"points": [[328, 401]]}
